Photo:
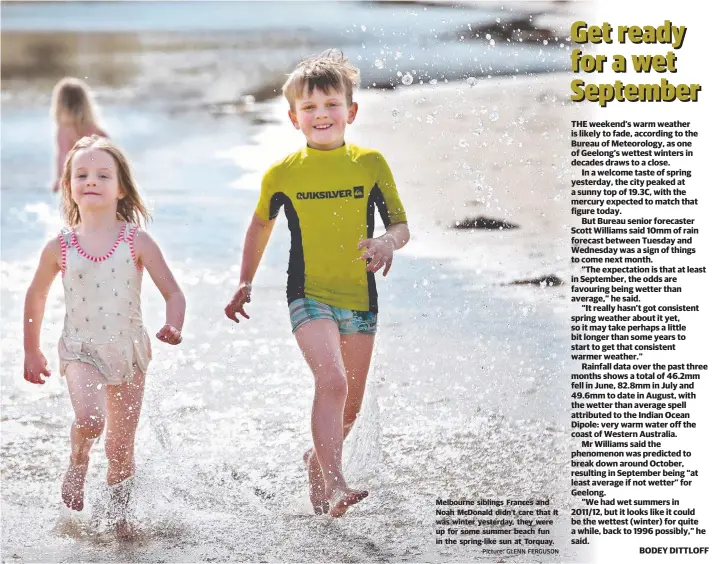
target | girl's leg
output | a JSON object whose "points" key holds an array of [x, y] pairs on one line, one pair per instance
{"points": [[320, 344], [123, 402], [356, 352], [86, 387]]}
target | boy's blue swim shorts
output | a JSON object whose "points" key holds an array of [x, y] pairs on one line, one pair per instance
{"points": [[349, 321]]}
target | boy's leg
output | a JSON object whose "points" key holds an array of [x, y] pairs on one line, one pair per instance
{"points": [[86, 387], [124, 403], [356, 352], [320, 344]]}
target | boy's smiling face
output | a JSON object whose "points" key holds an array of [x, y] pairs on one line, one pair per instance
{"points": [[323, 117]]}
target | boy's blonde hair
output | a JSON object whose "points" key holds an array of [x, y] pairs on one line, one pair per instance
{"points": [[72, 101], [130, 208], [329, 70]]}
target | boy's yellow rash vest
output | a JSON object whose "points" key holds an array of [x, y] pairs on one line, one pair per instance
{"points": [[329, 199]]}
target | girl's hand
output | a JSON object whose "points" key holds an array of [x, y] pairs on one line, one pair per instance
{"points": [[169, 334], [241, 297], [381, 253], [35, 367]]}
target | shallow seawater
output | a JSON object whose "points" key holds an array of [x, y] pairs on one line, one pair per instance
{"points": [[213, 53], [465, 396]]}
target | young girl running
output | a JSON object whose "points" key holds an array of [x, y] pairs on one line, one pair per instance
{"points": [[75, 115], [104, 348]]}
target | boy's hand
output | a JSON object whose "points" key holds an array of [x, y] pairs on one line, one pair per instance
{"points": [[241, 297], [169, 334], [380, 252], [35, 367]]}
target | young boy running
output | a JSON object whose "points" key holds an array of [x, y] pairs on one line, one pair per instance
{"points": [[328, 190]]}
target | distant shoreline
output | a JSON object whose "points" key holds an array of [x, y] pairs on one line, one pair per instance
{"points": [[204, 68]]}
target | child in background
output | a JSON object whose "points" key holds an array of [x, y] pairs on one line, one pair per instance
{"points": [[75, 115], [104, 348], [329, 190]]}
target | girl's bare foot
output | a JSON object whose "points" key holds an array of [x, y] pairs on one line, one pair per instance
{"points": [[342, 499], [73, 484], [316, 486], [125, 531]]}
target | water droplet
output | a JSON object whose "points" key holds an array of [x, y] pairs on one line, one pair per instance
{"points": [[471, 81], [433, 81], [407, 79], [395, 112], [493, 116], [363, 28], [379, 64], [429, 119], [463, 143]]}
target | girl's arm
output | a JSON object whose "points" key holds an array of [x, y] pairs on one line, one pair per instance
{"points": [[149, 255], [257, 236], [63, 144], [36, 365]]}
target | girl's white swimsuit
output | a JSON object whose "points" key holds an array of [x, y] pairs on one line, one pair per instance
{"points": [[103, 324]]}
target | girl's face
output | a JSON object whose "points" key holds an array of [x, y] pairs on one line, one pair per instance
{"points": [[94, 179]]}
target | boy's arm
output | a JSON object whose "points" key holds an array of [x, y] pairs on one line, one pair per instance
{"points": [[397, 234], [35, 364], [257, 236], [149, 255], [380, 251]]}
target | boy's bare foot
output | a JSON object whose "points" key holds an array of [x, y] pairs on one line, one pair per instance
{"points": [[73, 485], [342, 499], [316, 486]]}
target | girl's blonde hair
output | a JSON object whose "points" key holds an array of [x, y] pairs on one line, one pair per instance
{"points": [[330, 70], [131, 207], [72, 101]]}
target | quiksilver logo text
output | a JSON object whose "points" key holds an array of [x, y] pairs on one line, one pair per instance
{"points": [[323, 195]]}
